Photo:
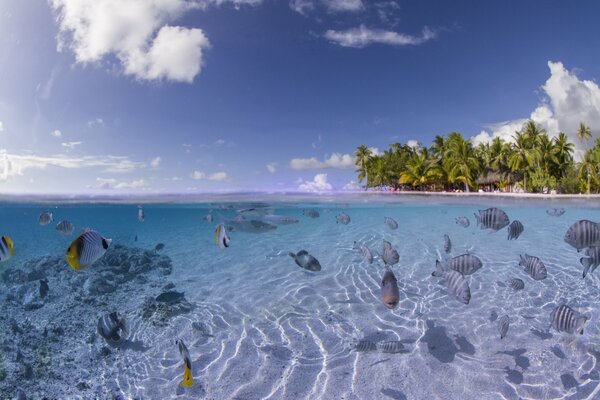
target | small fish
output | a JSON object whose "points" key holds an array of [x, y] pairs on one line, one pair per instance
{"points": [[208, 218], [311, 213], [188, 380], [492, 218], [343, 218], [592, 260], [389, 290], [503, 325], [391, 346], [534, 267], [65, 227], [516, 284], [367, 255], [515, 229], [455, 282], [221, 236], [583, 234], [170, 297], [306, 261], [493, 316], [463, 221], [565, 319], [555, 212], [391, 223], [111, 326], [45, 218], [278, 219], [159, 247], [365, 345], [7, 248], [390, 254], [466, 264], [252, 226], [447, 244], [44, 288], [87, 249], [141, 215], [135, 238]]}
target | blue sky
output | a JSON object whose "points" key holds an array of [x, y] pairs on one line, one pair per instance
{"points": [[159, 96]]}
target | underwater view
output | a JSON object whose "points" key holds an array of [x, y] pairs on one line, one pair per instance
{"points": [[333, 297]]}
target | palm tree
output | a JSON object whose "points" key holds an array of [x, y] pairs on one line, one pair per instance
{"points": [[378, 172], [563, 153], [462, 163], [547, 160], [363, 155], [419, 171], [524, 156], [584, 132], [533, 130]]}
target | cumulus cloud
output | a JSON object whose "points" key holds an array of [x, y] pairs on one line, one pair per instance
{"points": [[96, 121], [351, 186], [217, 176], [363, 36], [318, 184], [111, 183], [155, 163], [1, 126], [413, 143], [305, 6], [272, 167], [70, 145], [336, 160], [220, 142], [198, 175], [56, 133]]}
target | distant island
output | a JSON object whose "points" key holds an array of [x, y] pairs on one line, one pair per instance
{"points": [[532, 163]]}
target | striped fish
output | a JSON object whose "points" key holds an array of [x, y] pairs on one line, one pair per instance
{"points": [[7, 248], [141, 215], [391, 346], [311, 213], [516, 284], [555, 212], [565, 319], [390, 255], [503, 325], [492, 218], [365, 345], [390, 222], [111, 325], [188, 379], [87, 249], [592, 260], [343, 219], [455, 282], [534, 267], [221, 236], [45, 218], [466, 264], [65, 227], [463, 221], [515, 229], [583, 234], [367, 255], [447, 244]]}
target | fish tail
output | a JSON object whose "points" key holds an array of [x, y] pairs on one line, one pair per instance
{"points": [[439, 267], [587, 263], [522, 260], [477, 218], [291, 254], [580, 322], [188, 380]]}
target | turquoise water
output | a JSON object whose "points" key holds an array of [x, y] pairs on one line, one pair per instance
{"points": [[258, 326]]}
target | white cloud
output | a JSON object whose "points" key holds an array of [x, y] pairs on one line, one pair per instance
{"points": [[218, 177], [413, 143], [351, 186], [96, 121], [336, 160], [1, 126], [272, 167], [111, 183], [318, 184], [56, 133], [198, 175], [363, 36], [70, 145], [187, 147], [305, 6], [375, 151], [302, 6], [174, 178], [155, 163], [219, 142]]}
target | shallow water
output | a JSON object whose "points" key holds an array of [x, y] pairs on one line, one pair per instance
{"points": [[258, 326]]}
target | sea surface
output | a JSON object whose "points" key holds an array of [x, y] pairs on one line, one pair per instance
{"points": [[257, 326]]}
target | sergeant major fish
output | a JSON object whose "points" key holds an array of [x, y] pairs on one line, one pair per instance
{"points": [[565, 319], [466, 264], [65, 227], [516, 284], [463, 221], [221, 236], [591, 262], [7, 248], [188, 379], [86, 249], [503, 325], [447, 244], [45, 218], [555, 212], [367, 255], [455, 282], [390, 254], [311, 213], [343, 218], [391, 223], [534, 267], [251, 226], [515, 229], [583, 234], [391, 346], [492, 218], [278, 219], [110, 327], [306, 261], [389, 290]]}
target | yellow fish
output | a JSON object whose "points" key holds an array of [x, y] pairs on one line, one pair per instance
{"points": [[221, 236], [7, 248], [86, 249], [188, 379]]}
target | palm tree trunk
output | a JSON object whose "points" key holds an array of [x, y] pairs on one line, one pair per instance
{"points": [[466, 187], [525, 182]]}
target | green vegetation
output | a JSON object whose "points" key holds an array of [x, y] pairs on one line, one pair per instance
{"points": [[532, 162]]}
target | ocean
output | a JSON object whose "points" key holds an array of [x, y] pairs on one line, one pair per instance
{"points": [[258, 326]]}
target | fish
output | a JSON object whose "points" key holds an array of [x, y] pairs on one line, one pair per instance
{"points": [[391, 223], [365, 345], [390, 255], [516, 284], [141, 215], [44, 288], [278, 219], [111, 326], [389, 290], [455, 282], [45, 218], [188, 379], [221, 237], [492, 218], [447, 244], [463, 221], [503, 325], [391, 346], [367, 255], [565, 319], [555, 212], [515, 229], [159, 247], [86, 249], [251, 226], [306, 261], [342, 218], [466, 264], [208, 217], [135, 238], [170, 297], [311, 213], [534, 267], [7, 248], [582, 234], [592, 260], [65, 227]]}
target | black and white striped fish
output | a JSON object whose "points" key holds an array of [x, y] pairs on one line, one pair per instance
{"points": [[65, 227], [516, 284], [87, 249], [492, 218], [221, 236], [583, 234], [390, 222], [565, 319], [555, 212], [367, 255], [7, 248], [391, 346], [45, 218], [591, 262], [343, 219], [463, 221], [466, 264], [455, 282], [390, 255], [447, 244], [534, 267], [515, 229], [503, 325], [111, 326], [365, 345], [311, 213]]}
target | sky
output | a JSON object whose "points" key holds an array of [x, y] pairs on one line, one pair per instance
{"points": [[171, 96]]}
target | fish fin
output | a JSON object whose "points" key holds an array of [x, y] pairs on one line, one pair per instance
{"points": [[587, 263], [522, 259], [477, 218], [188, 380], [302, 253], [580, 322], [73, 254], [292, 255], [439, 267]]}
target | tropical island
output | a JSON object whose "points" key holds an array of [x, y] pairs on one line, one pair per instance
{"points": [[532, 162]]}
